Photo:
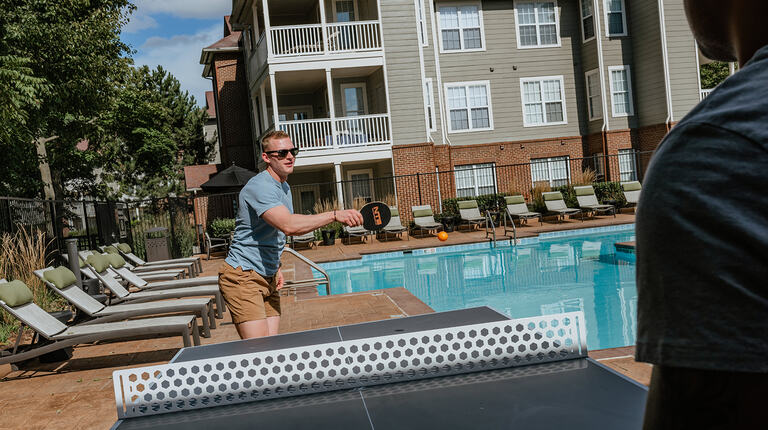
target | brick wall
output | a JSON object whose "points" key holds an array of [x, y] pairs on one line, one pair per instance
{"points": [[233, 111]]}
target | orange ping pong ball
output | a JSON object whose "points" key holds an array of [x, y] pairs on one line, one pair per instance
{"points": [[443, 236]]}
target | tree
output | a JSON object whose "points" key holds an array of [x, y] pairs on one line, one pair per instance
{"points": [[157, 129], [62, 58], [713, 74]]}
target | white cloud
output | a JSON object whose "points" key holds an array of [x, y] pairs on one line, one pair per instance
{"points": [[180, 55], [138, 22], [205, 9]]}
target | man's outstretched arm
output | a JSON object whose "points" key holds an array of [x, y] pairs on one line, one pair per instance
{"points": [[282, 219]]}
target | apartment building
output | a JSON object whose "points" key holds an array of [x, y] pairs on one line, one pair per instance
{"points": [[375, 88]]}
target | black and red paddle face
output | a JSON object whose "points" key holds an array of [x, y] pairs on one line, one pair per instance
{"points": [[376, 215]]}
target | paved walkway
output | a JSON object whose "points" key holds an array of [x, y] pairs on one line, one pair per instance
{"points": [[78, 393]]}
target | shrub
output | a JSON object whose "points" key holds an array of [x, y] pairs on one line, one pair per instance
{"points": [[221, 227], [536, 196], [610, 191], [484, 202], [569, 195], [183, 236]]}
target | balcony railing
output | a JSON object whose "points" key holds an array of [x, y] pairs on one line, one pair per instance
{"points": [[300, 40], [311, 134], [704, 93]]}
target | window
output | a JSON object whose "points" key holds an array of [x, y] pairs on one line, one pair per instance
{"points": [[537, 24], [429, 100], [543, 101], [615, 18], [627, 165], [553, 170], [587, 21], [474, 180], [461, 28], [469, 106], [354, 101], [599, 164], [594, 98], [360, 185], [422, 22], [621, 91]]}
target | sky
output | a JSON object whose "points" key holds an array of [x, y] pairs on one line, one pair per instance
{"points": [[172, 34]]}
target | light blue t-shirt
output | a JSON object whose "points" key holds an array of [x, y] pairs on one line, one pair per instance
{"points": [[257, 245]]}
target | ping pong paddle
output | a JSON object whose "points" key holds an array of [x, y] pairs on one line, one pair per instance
{"points": [[376, 215]]}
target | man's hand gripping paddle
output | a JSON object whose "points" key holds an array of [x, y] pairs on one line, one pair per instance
{"points": [[376, 215]]}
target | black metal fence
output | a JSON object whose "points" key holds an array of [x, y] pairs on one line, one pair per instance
{"points": [[96, 223]]}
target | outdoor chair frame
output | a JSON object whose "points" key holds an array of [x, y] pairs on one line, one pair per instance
{"points": [[518, 209], [201, 307], [62, 336], [469, 213], [556, 204], [137, 261], [587, 199], [212, 244], [394, 227], [425, 222]]}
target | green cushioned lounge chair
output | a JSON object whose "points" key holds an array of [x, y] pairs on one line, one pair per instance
{"points": [[517, 209], [306, 238], [555, 203], [100, 265], [62, 281], [632, 191], [395, 226], [470, 213], [424, 219], [127, 252], [587, 199], [16, 299]]}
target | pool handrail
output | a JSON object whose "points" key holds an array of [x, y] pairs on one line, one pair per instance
{"points": [[313, 265]]}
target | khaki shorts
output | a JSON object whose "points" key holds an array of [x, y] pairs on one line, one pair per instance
{"points": [[249, 295]]}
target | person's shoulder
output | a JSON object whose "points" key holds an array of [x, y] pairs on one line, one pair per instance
{"points": [[739, 104]]}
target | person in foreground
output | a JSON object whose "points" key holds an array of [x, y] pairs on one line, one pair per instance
{"points": [[250, 277], [702, 239]]}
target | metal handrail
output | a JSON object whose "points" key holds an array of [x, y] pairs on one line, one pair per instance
{"points": [[489, 220], [514, 227], [313, 265]]}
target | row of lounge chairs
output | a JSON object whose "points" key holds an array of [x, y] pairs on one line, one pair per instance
{"points": [[516, 209], [132, 295]]}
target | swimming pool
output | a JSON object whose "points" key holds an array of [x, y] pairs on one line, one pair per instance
{"points": [[553, 273]]}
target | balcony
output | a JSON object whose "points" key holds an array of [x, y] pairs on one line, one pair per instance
{"points": [[339, 133], [324, 39], [704, 93]]}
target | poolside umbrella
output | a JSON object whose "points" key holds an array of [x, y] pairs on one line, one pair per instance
{"points": [[231, 179]]}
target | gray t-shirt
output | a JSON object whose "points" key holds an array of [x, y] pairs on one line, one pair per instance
{"points": [[702, 233], [257, 245]]}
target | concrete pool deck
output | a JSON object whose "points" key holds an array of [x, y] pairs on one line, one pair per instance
{"points": [[79, 394]]}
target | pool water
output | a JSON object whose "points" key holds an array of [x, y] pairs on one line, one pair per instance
{"points": [[554, 273]]}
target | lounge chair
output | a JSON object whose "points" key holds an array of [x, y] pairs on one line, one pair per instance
{"points": [[632, 192], [308, 238], [470, 213], [142, 266], [157, 274], [395, 226], [100, 265], [358, 231], [517, 209], [425, 219], [125, 251], [587, 199], [213, 244], [555, 203], [62, 281], [16, 299]]}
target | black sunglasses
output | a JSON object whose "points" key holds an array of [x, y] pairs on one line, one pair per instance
{"points": [[282, 153]]}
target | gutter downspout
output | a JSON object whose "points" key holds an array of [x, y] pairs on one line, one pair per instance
{"points": [[416, 4], [601, 66], [443, 128], [665, 57]]}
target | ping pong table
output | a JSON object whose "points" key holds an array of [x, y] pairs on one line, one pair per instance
{"points": [[561, 389]]}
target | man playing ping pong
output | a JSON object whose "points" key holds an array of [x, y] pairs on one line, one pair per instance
{"points": [[250, 277]]}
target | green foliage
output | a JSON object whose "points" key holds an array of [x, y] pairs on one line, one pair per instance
{"points": [[484, 202], [59, 60], [183, 236], [337, 227], [221, 227], [157, 129], [713, 74]]}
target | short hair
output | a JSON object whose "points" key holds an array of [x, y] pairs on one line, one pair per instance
{"points": [[274, 134]]}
